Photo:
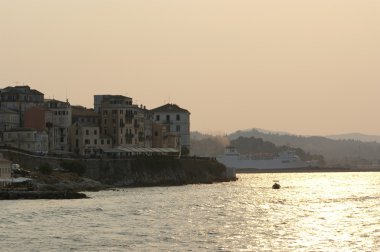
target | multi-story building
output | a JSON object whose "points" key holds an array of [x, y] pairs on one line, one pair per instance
{"points": [[122, 121], [163, 139], [85, 140], [61, 113], [27, 139], [20, 98], [41, 119], [9, 119], [5, 168], [84, 115], [177, 121]]}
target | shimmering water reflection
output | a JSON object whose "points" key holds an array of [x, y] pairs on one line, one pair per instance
{"points": [[312, 211]]}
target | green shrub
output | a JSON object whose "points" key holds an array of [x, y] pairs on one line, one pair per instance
{"points": [[74, 167], [45, 168]]}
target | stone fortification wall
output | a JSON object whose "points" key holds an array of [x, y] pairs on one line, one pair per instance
{"points": [[146, 171]]}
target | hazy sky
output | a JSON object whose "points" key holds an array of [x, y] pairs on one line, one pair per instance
{"points": [[302, 66]]}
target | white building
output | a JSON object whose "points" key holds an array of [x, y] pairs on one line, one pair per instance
{"points": [[176, 120], [27, 139], [61, 112], [9, 119]]}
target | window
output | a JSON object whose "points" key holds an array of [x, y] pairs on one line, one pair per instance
{"points": [[108, 141], [87, 132], [178, 128], [157, 117], [86, 141], [76, 132], [121, 111], [167, 117], [178, 118], [155, 133], [105, 121], [95, 141], [76, 143], [102, 141], [95, 132]]}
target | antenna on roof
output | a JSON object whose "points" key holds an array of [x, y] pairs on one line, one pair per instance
{"points": [[67, 100]]}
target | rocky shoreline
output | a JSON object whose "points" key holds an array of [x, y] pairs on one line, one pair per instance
{"points": [[15, 195]]}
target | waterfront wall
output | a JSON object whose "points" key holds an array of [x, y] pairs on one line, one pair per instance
{"points": [[140, 171]]}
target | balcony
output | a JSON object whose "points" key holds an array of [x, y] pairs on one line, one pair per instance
{"points": [[129, 116]]}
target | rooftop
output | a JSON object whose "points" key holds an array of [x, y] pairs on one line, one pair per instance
{"points": [[82, 111], [21, 90], [170, 107]]}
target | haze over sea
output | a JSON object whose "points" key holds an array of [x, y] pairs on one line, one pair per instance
{"points": [[311, 212]]}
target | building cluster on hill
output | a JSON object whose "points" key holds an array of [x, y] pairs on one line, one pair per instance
{"points": [[114, 127]]}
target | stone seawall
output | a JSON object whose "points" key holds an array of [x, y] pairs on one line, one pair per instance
{"points": [[142, 171]]}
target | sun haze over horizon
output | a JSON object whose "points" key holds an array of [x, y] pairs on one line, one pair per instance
{"points": [[304, 67]]}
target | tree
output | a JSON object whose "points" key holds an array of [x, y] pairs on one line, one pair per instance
{"points": [[45, 168]]}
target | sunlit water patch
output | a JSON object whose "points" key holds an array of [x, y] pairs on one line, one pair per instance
{"points": [[311, 212]]}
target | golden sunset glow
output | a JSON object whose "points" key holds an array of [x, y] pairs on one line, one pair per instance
{"points": [[307, 67]]}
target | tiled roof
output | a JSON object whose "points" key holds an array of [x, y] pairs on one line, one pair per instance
{"points": [[82, 111], [21, 90], [170, 108]]}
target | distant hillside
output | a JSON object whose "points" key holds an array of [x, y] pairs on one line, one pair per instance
{"points": [[257, 146], [356, 136], [335, 152]]}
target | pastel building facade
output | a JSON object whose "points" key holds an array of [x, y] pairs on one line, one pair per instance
{"points": [[5, 168], [27, 139], [86, 140], [19, 99], [122, 121], [9, 119], [61, 122], [176, 121]]}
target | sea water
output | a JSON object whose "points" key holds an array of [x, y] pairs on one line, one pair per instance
{"points": [[311, 212]]}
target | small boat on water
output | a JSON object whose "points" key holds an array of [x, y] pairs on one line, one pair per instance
{"points": [[276, 184]]}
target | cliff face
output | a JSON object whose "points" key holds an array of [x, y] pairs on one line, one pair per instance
{"points": [[147, 171], [158, 171]]}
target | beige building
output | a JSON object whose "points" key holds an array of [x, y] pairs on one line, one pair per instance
{"points": [[85, 140], [61, 122], [5, 168], [122, 121], [20, 98], [9, 119], [161, 138], [27, 139]]}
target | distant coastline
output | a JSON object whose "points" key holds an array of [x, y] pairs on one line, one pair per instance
{"points": [[308, 170]]}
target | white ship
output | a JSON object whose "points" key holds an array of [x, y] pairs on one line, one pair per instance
{"points": [[284, 160]]}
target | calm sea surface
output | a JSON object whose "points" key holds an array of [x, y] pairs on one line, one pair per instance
{"points": [[311, 212]]}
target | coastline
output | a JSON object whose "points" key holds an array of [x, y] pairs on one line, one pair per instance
{"points": [[306, 170], [16, 195]]}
